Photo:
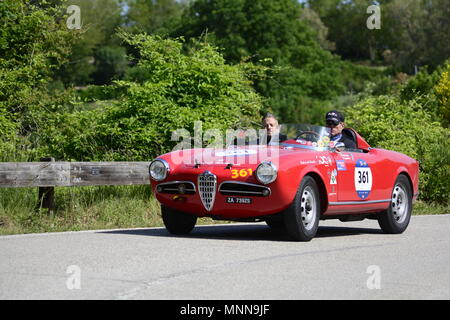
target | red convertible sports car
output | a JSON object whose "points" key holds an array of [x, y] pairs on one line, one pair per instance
{"points": [[290, 185]]}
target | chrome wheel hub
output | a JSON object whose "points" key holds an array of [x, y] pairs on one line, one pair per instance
{"points": [[308, 212], [399, 204]]}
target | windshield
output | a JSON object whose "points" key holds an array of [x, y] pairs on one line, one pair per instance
{"points": [[305, 136]]}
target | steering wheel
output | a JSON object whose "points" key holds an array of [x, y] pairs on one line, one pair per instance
{"points": [[310, 136]]}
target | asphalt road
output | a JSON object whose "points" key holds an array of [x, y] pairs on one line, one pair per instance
{"points": [[351, 260]]}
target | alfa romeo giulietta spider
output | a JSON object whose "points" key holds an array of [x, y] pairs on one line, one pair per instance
{"points": [[290, 185]]}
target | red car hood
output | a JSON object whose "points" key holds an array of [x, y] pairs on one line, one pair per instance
{"points": [[245, 155]]}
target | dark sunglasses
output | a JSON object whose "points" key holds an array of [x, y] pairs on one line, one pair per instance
{"points": [[332, 123]]}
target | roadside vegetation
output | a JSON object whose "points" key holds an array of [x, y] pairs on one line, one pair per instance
{"points": [[136, 70]]}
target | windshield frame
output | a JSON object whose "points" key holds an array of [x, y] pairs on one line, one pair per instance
{"points": [[306, 136]]}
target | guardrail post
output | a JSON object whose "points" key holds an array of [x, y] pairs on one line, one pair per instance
{"points": [[47, 194]]}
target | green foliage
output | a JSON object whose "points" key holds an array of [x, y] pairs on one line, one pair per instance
{"points": [[154, 17], [387, 122], [304, 76], [7, 136], [412, 32], [432, 90], [442, 92], [96, 46], [110, 63], [257, 28], [33, 43], [420, 84], [99, 93], [177, 90], [248, 50]]}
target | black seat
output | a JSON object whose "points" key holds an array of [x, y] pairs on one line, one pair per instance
{"points": [[349, 133]]}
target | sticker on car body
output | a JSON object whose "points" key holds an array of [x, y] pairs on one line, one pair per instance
{"points": [[333, 177], [363, 179], [340, 164], [235, 153]]}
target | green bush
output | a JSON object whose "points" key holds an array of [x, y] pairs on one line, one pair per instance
{"points": [[403, 126], [177, 89], [111, 64], [34, 42], [7, 135], [95, 93], [430, 90]]}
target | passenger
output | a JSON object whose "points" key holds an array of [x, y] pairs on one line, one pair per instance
{"points": [[335, 121]]}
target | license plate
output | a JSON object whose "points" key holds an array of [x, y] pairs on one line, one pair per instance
{"points": [[238, 200]]}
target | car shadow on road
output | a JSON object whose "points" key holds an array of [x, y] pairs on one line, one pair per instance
{"points": [[251, 232]]}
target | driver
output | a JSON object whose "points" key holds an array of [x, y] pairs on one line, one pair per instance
{"points": [[270, 123], [335, 121]]}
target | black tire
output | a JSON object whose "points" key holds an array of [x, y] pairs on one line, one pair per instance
{"points": [[177, 222], [396, 218], [275, 222], [299, 225]]}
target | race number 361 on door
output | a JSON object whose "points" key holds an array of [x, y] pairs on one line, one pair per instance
{"points": [[363, 179]]}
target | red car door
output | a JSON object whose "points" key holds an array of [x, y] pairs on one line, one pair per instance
{"points": [[354, 176]]}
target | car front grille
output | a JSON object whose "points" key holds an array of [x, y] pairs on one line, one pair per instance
{"points": [[207, 183]]}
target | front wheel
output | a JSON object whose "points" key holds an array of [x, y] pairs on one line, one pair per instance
{"points": [[275, 222], [396, 218], [302, 216], [177, 222]]}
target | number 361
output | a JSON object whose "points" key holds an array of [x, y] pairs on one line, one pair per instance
{"points": [[235, 173]]}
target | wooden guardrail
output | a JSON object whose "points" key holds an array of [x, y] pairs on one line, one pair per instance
{"points": [[49, 174]]}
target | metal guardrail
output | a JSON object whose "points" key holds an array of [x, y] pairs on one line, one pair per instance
{"points": [[49, 174]]}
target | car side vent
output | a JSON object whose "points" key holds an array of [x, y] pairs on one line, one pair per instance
{"points": [[233, 188], [207, 183]]}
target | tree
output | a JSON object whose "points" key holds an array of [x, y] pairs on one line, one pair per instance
{"points": [[241, 28], [404, 126], [99, 18], [413, 33], [346, 23], [177, 89], [417, 33], [110, 64], [321, 31], [155, 16], [259, 30], [34, 42]]}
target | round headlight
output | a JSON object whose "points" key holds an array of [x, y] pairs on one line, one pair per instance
{"points": [[266, 172], [159, 169]]}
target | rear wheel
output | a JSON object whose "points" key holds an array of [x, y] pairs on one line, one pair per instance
{"points": [[177, 222], [396, 218], [301, 218]]}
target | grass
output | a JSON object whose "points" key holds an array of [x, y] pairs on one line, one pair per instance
{"points": [[423, 208], [93, 208], [84, 208]]}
